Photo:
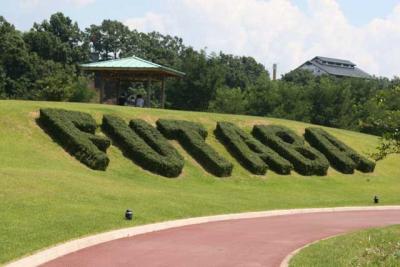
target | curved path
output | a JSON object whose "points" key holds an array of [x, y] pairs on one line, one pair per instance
{"points": [[263, 241]]}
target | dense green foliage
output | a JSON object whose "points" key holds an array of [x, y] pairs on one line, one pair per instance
{"points": [[40, 64], [192, 137], [385, 121], [252, 154], [144, 145], [340, 156], [306, 160], [75, 132], [228, 100]]}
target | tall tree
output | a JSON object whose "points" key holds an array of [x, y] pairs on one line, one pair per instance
{"points": [[15, 63], [198, 87], [58, 39], [228, 100], [109, 38], [241, 71]]}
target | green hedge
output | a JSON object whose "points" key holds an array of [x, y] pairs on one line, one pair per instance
{"points": [[192, 137], [252, 154], [143, 144], [306, 160], [340, 156], [74, 131]]}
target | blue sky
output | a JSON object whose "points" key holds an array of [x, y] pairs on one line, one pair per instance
{"points": [[360, 12], [287, 32]]}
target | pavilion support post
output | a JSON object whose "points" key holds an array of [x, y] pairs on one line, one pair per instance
{"points": [[118, 91], [163, 92], [102, 84], [148, 85]]}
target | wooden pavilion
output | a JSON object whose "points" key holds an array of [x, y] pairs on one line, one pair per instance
{"points": [[130, 69]]}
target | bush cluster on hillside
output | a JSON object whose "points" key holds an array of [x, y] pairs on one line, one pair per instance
{"points": [[192, 137], [269, 146], [75, 131], [305, 159], [143, 144], [252, 154]]}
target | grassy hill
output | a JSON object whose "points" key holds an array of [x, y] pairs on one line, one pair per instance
{"points": [[372, 247], [47, 196]]}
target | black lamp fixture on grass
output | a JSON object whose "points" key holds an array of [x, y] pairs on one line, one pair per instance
{"points": [[128, 214]]}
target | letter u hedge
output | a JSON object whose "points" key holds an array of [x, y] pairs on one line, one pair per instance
{"points": [[142, 143]]}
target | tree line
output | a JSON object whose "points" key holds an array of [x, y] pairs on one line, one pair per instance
{"points": [[42, 64]]}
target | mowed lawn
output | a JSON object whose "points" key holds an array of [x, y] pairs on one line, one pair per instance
{"points": [[47, 196], [368, 248]]}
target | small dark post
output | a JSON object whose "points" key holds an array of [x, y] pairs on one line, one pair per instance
{"points": [[376, 199], [102, 84], [128, 214]]}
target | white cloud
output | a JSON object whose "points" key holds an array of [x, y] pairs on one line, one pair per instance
{"points": [[80, 3], [278, 31], [149, 22]]}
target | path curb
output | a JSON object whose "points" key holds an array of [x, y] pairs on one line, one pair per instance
{"points": [[57, 251], [286, 260]]}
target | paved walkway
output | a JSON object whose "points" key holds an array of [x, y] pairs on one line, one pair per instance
{"points": [[244, 242]]}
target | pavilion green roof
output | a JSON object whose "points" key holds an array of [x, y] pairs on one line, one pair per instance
{"points": [[130, 64]]}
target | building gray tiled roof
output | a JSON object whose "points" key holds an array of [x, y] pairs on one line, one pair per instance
{"points": [[336, 60], [337, 67]]}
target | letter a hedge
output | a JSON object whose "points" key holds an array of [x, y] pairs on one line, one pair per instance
{"points": [[192, 137], [306, 160], [74, 131], [341, 157], [252, 154], [142, 143]]}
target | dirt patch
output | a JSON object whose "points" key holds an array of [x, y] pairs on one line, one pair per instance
{"points": [[33, 114]]}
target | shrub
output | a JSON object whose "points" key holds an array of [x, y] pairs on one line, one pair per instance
{"points": [[228, 100], [74, 131], [340, 156], [306, 160], [252, 154], [144, 145], [81, 91], [192, 137]]}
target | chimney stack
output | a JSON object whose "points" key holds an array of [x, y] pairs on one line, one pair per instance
{"points": [[274, 68]]}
